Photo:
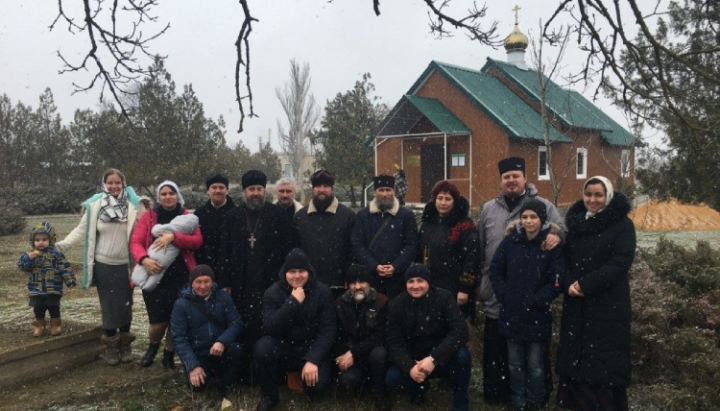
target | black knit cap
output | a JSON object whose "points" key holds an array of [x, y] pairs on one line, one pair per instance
{"points": [[383, 180], [254, 178], [201, 270], [213, 178], [357, 272], [511, 164], [538, 207], [322, 177], [297, 260], [417, 270]]}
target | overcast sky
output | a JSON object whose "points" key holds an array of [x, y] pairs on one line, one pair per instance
{"points": [[340, 40]]}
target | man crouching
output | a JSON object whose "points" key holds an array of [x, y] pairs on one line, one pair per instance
{"points": [[426, 337], [362, 323], [205, 328], [299, 326]]}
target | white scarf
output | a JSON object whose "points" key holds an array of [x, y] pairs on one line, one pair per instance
{"points": [[609, 193]]}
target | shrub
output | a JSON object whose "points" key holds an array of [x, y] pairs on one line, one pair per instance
{"points": [[66, 198], [12, 219]]}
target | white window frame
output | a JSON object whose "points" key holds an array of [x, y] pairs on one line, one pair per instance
{"points": [[625, 164], [546, 176], [458, 160], [584, 153]]}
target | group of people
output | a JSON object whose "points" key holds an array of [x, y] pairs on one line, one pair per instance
{"points": [[308, 295]]}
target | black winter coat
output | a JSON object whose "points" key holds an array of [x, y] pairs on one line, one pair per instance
{"points": [[595, 330], [325, 238], [430, 325], [309, 328], [360, 327], [449, 248], [526, 280], [211, 225]]}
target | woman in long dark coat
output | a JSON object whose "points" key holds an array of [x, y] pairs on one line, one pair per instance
{"points": [[593, 359], [449, 244]]}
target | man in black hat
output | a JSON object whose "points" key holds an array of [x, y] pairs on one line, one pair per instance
{"points": [[426, 338], [362, 323], [323, 230], [385, 237], [256, 237], [299, 326], [494, 217], [212, 216], [205, 328]]}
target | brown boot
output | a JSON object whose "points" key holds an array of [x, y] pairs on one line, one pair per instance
{"points": [[112, 349], [126, 340], [39, 328], [55, 326], [294, 382]]}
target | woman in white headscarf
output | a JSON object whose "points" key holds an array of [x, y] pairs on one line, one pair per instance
{"points": [[105, 229], [593, 359], [159, 302]]}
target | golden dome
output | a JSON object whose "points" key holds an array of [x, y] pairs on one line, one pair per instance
{"points": [[516, 40]]}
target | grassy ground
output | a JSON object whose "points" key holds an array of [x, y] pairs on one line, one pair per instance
{"points": [[170, 393]]}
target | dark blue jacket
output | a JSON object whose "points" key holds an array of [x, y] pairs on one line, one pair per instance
{"points": [[526, 280], [396, 245], [308, 329], [193, 334]]}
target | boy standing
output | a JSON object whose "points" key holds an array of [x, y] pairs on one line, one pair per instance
{"points": [[47, 270]]}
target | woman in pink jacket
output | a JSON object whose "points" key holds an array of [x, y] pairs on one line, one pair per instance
{"points": [[159, 302]]}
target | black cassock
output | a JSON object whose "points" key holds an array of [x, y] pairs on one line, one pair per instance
{"points": [[252, 249]]}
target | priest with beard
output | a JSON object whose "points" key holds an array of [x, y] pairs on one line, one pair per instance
{"points": [[256, 238]]}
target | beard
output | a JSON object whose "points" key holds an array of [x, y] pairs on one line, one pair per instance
{"points": [[384, 205], [359, 297], [255, 203], [323, 204]]}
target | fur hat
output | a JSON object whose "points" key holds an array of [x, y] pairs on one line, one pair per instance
{"points": [[213, 178], [383, 180], [199, 271], [538, 207], [254, 178], [417, 270], [511, 164], [322, 177], [357, 272]]}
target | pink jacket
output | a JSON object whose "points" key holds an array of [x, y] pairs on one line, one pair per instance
{"points": [[142, 239]]}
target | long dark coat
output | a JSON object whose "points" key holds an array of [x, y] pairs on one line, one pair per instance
{"points": [[252, 270], [449, 248], [211, 226], [595, 332]]}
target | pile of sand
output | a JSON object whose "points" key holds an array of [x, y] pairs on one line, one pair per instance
{"points": [[671, 215]]}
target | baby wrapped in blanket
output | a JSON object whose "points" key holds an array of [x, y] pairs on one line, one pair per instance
{"points": [[184, 224]]}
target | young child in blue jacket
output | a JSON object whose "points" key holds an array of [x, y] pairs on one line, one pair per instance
{"points": [[47, 270], [526, 279]]}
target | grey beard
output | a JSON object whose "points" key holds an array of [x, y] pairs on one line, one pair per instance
{"points": [[254, 204], [359, 297], [385, 205]]}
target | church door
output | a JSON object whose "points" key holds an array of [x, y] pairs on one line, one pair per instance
{"points": [[432, 165]]}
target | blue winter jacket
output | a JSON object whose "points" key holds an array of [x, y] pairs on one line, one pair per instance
{"points": [[193, 334], [526, 280]]}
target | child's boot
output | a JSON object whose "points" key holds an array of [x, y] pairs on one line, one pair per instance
{"points": [[39, 328], [55, 326], [112, 349], [126, 340]]}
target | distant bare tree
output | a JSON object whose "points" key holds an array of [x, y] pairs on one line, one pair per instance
{"points": [[302, 114]]}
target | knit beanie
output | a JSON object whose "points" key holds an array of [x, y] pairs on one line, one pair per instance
{"points": [[199, 271], [538, 207], [254, 178], [296, 260], [417, 270], [383, 180], [322, 177], [216, 178], [511, 164], [357, 272]]}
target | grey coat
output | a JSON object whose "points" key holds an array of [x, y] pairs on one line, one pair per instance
{"points": [[494, 218]]}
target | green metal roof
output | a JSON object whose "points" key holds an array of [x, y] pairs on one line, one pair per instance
{"points": [[569, 106], [411, 109], [495, 99]]}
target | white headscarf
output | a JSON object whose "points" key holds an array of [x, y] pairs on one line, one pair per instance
{"points": [[175, 187], [609, 193]]}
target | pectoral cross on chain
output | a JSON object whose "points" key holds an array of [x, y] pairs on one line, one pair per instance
{"points": [[252, 240]]}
